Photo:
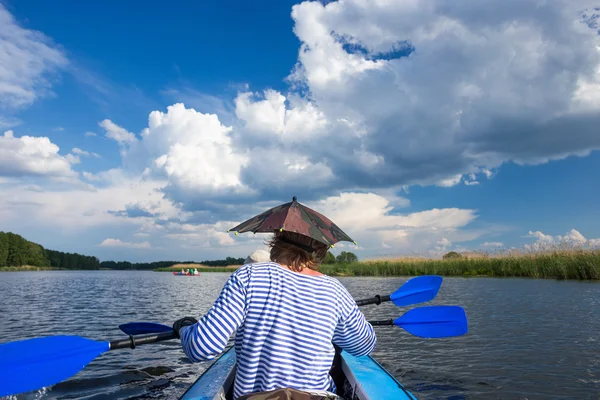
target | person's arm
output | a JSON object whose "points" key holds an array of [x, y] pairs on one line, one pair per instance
{"points": [[353, 332], [208, 337]]}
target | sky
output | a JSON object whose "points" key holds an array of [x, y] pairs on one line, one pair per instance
{"points": [[144, 133]]}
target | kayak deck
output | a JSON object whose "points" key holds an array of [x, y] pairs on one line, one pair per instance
{"points": [[360, 378]]}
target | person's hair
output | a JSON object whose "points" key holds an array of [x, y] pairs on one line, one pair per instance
{"points": [[297, 251]]}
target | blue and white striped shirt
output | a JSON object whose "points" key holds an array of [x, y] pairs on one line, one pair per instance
{"points": [[286, 323]]}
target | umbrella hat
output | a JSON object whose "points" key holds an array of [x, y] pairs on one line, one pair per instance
{"points": [[297, 218]]}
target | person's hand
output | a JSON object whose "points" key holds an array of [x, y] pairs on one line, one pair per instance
{"points": [[180, 323]]}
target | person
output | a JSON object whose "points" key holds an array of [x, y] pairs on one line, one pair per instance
{"points": [[288, 317]]}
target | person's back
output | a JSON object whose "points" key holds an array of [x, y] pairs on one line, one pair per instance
{"points": [[286, 322]]}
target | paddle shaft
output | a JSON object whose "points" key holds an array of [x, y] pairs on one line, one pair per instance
{"points": [[383, 322], [374, 300], [134, 341]]}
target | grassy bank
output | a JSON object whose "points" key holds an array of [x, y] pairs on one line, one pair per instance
{"points": [[567, 264], [574, 264]]}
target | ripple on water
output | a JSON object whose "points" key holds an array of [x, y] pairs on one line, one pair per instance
{"points": [[528, 339]]}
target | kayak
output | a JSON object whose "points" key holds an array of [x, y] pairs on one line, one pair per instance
{"points": [[179, 273], [361, 378]]}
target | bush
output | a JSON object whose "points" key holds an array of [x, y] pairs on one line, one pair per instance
{"points": [[346, 257], [451, 255], [329, 258]]}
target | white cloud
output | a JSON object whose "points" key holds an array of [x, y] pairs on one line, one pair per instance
{"points": [[479, 89], [27, 59], [117, 133], [193, 151], [443, 245], [33, 156], [73, 159], [58, 129], [271, 117], [571, 239], [8, 122], [373, 222], [90, 134], [493, 244], [80, 152], [118, 243], [449, 182]]}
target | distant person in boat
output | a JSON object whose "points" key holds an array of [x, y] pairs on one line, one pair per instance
{"points": [[288, 316]]}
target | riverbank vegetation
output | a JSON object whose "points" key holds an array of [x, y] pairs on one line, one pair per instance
{"points": [[19, 254], [579, 264], [561, 262], [576, 264]]}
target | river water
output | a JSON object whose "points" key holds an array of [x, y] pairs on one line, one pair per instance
{"points": [[528, 339]]}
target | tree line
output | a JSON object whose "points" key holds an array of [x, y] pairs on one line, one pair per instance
{"points": [[15, 251]]}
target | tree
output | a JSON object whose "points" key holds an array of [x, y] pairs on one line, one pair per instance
{"points": [[3, 249], [329, 258], [346, 257], [451, 255]]}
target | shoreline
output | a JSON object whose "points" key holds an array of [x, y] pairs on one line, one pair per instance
{"points": [[581, 265]]}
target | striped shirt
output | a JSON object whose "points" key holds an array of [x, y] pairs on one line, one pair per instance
{"points": [[286, 323]]}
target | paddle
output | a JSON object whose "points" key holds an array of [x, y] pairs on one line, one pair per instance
{"points": [[32, 364], [142, 328], [431, 321], [420, 289], [417, 290]]}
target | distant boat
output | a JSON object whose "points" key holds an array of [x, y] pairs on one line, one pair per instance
{"points": [[186, 274]]}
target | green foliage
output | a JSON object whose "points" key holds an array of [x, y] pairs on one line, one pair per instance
{"points": [[451, 255], [223, 263], [3, 249], [329, 258], [346, 257], [62, 260], [579, 265], [166, 264], [16, 252]]}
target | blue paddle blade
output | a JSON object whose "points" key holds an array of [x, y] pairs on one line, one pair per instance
{"points": [[417, 290], [32, 364], [434, 321], [142, 328]]}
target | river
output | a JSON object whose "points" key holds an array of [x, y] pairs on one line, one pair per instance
{"points": [[528, 339]]}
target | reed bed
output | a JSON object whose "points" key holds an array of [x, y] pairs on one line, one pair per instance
{"points": [[562, 264]]}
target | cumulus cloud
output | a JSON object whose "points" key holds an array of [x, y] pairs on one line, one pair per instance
{"points": [[374, 222], [109, 242], [191, 151], [117, 133], [33, 156], [90, 134], [441, 89], [28, 59], [573, 238]]}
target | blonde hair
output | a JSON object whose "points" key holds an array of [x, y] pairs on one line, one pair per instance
{"points": [[293, 250]]}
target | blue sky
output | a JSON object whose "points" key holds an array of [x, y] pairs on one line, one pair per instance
{"points": [[144, 133]]}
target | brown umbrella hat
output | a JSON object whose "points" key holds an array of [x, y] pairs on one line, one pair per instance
{"points": [[297, 218]]}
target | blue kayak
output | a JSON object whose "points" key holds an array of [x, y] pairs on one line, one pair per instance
{"points": [[363, 379]]}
